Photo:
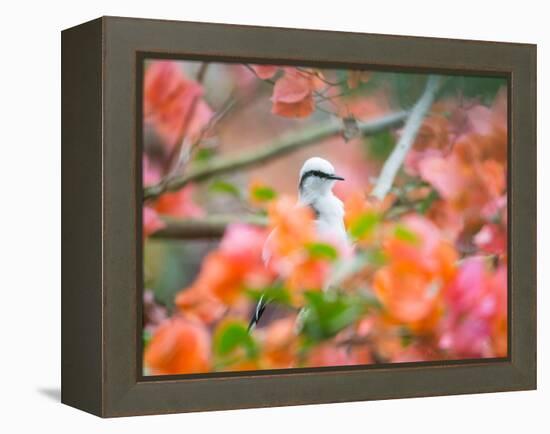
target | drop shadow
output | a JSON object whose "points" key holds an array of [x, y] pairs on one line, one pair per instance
{"points": [[52, 393]]}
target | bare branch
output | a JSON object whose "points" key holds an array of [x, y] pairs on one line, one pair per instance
{"points": [[410, 130], [202, 72], [206, 227], [263, 153]]}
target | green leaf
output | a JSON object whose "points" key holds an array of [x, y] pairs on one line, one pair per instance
{"points": [[231, 336], [224, 187], [404, 234], [380, 145], [275, 294], [204, 154], [147, 336], [376, 257], [482, 88], [364, 225], [327, 313], [263, 194], [424, 205], [406, 337], [322, 251]]}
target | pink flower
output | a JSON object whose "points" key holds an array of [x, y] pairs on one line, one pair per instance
{"points": [[492, 238], [151, 174], [172, 102], [243, 242], [151, 221], [265, 71], [445, 175], [415, 157], [475, 324], [468, 288]]}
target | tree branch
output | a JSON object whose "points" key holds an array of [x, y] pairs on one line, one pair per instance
{"points": [[263, 153], [410, 130], [206, 227]]}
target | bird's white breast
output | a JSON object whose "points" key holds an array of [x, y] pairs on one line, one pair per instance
{"points": [[330, 217]]}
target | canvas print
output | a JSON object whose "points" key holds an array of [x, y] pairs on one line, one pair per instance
{"points": [[305, 217]]}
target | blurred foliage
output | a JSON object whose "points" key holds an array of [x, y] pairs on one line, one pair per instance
{"points": [[420, 275], [327, 313], [170, 266], [483, 89], [232, 336]]}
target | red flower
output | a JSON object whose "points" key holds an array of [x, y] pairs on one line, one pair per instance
{"points": [[172, 103], [179, 203]]}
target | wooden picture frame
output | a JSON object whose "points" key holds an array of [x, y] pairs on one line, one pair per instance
{"points": [[101, 217]]}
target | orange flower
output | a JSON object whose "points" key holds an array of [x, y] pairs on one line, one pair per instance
{"points": [[178, 346], [280, 344], [333, 354], [355, 206], [471, 171], [363, 213], [499, 285], [260, 193], [227, 271], [293, 93], [420, 263], [406, 294], [434, 133], [417, 245], [293, 227], [221, 277], [448, 220], [198, 302], [307, 274]]}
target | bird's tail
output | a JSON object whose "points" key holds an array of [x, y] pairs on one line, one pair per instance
{"points": [[258, 312]]}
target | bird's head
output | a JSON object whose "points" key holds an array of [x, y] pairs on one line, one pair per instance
{"points": [[317, 177]]}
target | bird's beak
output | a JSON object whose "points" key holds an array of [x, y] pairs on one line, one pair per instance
{"points": [[336, 178]]}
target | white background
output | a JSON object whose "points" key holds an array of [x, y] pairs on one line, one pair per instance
{"points": [[30, 215]]}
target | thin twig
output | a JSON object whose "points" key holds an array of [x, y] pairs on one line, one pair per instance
{"points": [[201, 73], [263, 153], [267, 80], [408, 136], [187, 149]]}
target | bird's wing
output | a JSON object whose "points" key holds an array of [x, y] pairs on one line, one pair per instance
{"points": [[258, 312]]}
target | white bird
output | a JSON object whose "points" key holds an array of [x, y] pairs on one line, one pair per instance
{"points": [[317, 177]]}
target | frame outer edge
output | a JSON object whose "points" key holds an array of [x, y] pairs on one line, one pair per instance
{"points": [[124, 393], [81, 213]]}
